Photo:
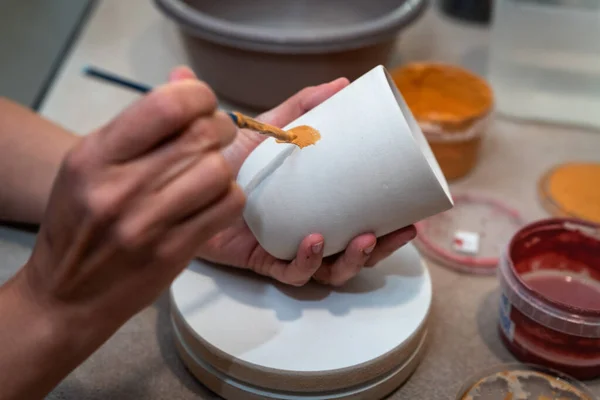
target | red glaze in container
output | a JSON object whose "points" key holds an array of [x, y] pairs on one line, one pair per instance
{"points": [[550, 302]]}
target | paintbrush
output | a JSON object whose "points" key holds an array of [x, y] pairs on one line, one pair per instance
{"points": [[241, 120]]}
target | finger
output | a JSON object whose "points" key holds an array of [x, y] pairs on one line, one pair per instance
{"points": [[154, 119], [204, 135], [307, 262], [196, 188], [183, 240], [388, 244], [302, 102], [348, 264], [181, 73]]}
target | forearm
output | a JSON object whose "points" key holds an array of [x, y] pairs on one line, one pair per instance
{"points": [[40, 342], [31, 150]]}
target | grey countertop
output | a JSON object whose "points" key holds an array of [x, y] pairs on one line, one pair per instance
{"points": [[139, 361]]}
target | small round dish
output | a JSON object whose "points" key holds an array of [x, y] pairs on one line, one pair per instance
{"points": [[571, 190], [471, 236], [550, 296], [523, 382]]}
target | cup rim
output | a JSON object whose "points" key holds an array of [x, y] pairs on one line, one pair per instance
{"points": [[417, 134]]}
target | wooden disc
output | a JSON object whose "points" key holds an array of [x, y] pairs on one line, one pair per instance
{"points": [[310, 339]]}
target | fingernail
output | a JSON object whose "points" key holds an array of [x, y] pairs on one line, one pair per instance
{"points": [[317, 248], [411, 235], [341, 78], [369, 249]]}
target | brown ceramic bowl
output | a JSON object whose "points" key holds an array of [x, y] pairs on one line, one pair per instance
{"points": [[257, 53]]}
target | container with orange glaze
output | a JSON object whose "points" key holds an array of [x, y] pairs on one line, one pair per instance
{"points": [[550, 296], [452, 106]]}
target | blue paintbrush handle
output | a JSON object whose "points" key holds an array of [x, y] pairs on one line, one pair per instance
{"points": [[128, 83], [115, 79]]}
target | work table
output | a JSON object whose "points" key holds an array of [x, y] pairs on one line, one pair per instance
{"points": [[139, 362]]}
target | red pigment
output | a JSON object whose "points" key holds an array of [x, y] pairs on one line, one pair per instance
{"points": [[527, 356], [560, 267], [561, 251], [567, 290]]}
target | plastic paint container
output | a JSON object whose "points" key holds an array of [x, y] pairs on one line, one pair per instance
{"points": [[453, 108], [523, 381], [550, 301]]}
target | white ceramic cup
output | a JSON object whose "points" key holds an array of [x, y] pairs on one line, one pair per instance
{"points": [[371, 171]]}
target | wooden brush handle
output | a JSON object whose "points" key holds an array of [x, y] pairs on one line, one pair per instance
{"points": [[245, 122]]}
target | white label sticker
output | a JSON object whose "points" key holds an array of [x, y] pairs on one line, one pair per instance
{"points": [[466, 242], [506, 324]]}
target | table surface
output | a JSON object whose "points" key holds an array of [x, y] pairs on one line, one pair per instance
{"points": [[139, 361]]}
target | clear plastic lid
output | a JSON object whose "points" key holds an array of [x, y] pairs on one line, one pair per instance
{"points": [[523, 382], [471, 236]]}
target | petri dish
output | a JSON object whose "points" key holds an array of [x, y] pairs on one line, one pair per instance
{"points": [[471, 236], [523, 382]]}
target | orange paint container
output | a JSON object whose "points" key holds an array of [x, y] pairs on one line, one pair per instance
{"points": [[453, 107]]}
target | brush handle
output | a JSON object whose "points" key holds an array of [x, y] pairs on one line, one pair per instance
{"points": [[243, 121], [240, 120], [115, 79]]}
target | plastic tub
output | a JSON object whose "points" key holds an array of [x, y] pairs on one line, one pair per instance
{"points": [[258, 53], [550, 301], [453, 107]]}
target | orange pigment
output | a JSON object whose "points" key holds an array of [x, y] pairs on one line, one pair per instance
{"points": [[451, 100], [304, 136], [572, 190]]}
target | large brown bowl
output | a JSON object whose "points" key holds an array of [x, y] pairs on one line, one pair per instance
{"points": [[257, 53]]}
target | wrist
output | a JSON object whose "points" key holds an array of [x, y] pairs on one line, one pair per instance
{"points": [[48, 325], [66, 327], [38, 348], [64, 332]]}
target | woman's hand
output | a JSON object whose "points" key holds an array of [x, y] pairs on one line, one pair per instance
{"points": [[132, 201], [128, 209], [236, 246]]}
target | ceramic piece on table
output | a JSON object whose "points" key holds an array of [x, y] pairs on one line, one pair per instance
{"points": [[371, 171], [306, 340]]}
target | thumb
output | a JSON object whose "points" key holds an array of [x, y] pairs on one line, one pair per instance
{"points": [[181, 73], [302, 102]]}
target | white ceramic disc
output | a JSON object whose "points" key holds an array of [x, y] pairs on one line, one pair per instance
{"points": [[231, 389], [313, 328]]}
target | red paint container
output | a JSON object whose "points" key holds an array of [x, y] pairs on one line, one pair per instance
{"points": [[550, 302]]}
